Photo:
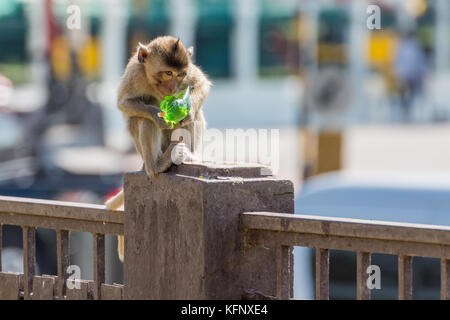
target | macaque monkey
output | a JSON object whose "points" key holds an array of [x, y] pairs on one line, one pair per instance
{"points": [[162, 67]]}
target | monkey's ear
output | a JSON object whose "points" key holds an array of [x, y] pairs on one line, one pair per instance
{"points": [[142, 52], [190, 51]]}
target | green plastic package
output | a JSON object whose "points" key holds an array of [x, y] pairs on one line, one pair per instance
{"points": [[175, 108]]}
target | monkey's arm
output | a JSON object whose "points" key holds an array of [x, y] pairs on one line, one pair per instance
{"points": [[198, 95], [135, 107]]}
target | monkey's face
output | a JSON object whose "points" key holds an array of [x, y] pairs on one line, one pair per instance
{"points": [[168, 80], [166, 63]]}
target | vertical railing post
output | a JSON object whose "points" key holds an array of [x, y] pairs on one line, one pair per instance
{"points": [[284, 261], [29, 259], [183, 235], [63, 260], [362, 263], [99, 264], [445, 279], [322, 274], [1, 245], [405, 275]]}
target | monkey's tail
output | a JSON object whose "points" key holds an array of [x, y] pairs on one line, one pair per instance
{"points": [[113, 204], [116, 201]]}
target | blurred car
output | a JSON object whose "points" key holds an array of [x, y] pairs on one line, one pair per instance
{"points": [[64, 169], [398, 197], [58, 185]]}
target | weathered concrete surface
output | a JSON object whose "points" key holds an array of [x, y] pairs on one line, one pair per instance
{"points": [[12, 284], [212, 170], [81, 290], [44, 287], [111, 292], [182, 234]]}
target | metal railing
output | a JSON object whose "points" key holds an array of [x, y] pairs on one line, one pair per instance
{"points": [[62, 217], [278, 230], [364, 237]]}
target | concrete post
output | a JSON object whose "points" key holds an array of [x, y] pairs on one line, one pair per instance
{"points": [[182, 233]]}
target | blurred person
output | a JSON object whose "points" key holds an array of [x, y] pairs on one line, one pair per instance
{"points": [[410, 71]]}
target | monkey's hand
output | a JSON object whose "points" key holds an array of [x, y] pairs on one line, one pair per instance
{"points": [[161, 123], [155, 115], [135, 108], [189, 119]]}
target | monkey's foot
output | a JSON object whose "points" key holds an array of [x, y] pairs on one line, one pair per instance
{"points": [[181, 153]]}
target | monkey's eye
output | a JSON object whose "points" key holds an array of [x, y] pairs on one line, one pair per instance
{"points": [[169, 73], [182, 75]]}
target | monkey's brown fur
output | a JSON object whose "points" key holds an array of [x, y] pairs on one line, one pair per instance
{"points": [[157, 69]]}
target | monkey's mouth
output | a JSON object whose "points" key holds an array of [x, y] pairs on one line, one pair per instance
{"points": [[167, 91], [164, 91]]}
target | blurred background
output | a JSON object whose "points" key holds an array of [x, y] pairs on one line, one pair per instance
{"points": [[363, 112]]}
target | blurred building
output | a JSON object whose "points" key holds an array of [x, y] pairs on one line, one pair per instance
{"points": [[259, 52]]}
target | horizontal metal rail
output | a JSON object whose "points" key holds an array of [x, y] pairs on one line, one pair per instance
{"points": [[60, 215]]}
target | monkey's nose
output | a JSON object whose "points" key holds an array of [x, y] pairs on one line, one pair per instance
{"points": [[165, 91], [172, 86]]}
